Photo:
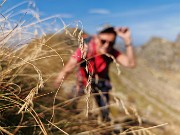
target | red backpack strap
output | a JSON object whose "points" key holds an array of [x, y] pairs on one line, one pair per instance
{"points": [[90, 48]]}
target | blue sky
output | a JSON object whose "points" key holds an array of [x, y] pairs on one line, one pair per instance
{"points": [[145, 18]]}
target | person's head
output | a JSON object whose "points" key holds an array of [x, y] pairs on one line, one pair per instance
{"points": [[105, 40]]}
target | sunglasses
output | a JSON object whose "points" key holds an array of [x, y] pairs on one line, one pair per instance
{"points": [[111, 43]]}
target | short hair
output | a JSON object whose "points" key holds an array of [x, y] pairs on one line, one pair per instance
{"points": [[109, 30]]}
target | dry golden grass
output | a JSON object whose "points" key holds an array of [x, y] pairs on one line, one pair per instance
{"points": [[29, 102]]}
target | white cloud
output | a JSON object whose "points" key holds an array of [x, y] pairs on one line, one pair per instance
{"points": [[64, 15], [99, 11]]}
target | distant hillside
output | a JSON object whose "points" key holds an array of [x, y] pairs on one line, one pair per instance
{"points": [[49, 53], [178, 40], [161, 54], [153, 86]]}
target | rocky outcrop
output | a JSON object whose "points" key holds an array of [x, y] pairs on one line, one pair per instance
{"points": [[161, 54]]}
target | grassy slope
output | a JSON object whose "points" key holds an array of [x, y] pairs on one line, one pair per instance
{"points": [[139, 88], [150, 95]]}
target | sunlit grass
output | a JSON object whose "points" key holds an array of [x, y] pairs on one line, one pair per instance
{"points": [[30, 60]]}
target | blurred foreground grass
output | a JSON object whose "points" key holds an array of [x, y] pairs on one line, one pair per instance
{"points": [[29, 103]]}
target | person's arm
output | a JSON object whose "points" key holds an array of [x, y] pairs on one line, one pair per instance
{"points": [[68, 68], [127, 59]]}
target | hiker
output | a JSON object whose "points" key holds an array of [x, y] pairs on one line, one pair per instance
{"points": [[95, 56]]}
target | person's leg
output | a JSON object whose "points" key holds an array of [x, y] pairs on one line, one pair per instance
{"points": [[102, 99], [75, 94], [105, 111]]}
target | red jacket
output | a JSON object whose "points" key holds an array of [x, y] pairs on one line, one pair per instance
{"points": [[96, 64]]}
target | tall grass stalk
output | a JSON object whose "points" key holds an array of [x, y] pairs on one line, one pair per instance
{"points": [[30, 59]]}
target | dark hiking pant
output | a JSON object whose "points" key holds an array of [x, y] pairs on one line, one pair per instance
{"points": [[101, 95]]}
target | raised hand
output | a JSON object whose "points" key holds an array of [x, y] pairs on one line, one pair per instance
{"points": [[124, 33]]}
